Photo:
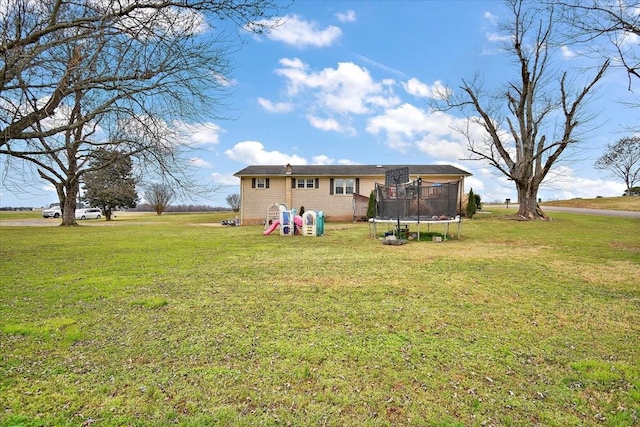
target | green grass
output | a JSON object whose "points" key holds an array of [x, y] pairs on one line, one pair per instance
{"points": [[167, 320], [614, 203]]}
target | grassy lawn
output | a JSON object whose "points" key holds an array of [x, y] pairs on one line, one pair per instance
{"points": [[613, 203], [169, 320]]}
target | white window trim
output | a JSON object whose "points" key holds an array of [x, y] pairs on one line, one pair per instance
{"points": [[307, 183], [344, 186]]}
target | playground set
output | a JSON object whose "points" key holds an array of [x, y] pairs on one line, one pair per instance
{"points": [[401, 203], [310, 223]]}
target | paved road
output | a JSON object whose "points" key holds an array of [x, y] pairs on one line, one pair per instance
{"points": [[623, 214]]}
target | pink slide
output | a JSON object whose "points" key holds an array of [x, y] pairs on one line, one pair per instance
{"points": [[272, 227], [298, 220]]}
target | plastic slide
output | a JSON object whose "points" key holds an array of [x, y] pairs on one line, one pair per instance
{"points": [[272, 227], [297, 219]]}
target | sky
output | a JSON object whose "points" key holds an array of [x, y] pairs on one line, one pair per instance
{"points": [[350, 82]]}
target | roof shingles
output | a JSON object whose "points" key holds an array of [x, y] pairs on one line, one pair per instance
{"points": [[348, 170]]}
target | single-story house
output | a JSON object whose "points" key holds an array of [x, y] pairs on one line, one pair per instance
{"points": [[341, 191]]}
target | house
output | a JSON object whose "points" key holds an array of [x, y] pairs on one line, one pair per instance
{"points": [[341, 191]]}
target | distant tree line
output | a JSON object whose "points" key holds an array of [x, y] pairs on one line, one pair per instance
{"points": [[145, 207], [18, 208]]}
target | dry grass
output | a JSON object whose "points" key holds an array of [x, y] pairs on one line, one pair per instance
{"points": [[612, 203]]}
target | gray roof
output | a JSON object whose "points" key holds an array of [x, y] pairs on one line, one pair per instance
{"points": [[349, 170]]}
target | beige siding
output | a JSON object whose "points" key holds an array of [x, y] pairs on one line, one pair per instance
{"points": [[255, 201], [335, 207], [369, 183]]}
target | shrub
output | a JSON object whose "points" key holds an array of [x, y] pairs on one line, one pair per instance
{"points": [[371, 208], [472, 207], [478, 201]]}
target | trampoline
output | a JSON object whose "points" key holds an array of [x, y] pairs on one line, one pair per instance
{"points": [[416, 203]]}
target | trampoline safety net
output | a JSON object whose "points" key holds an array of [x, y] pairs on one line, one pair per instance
{"points": [[417, 200]]}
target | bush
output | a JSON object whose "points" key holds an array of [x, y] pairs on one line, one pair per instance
{"points": [[478, 202], [472, 206], [371, 209]]}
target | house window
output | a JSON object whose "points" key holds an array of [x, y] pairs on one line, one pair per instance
{"points": [[261, 183], [306, 183], [344, 186]]}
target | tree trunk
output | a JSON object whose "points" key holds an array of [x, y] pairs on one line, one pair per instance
{"points": [[527, 200], [69, 204]]}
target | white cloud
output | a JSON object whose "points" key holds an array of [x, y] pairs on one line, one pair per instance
{"points": [[221, 179], [323, 124], [563, 183], [293, 63], [409, 120], [49, 188], [433, 133], [329, 125], [322, 160], [491, 18], [326, 160], [567, 53], [300, 33], [253, 153], [201, 134], [200, 163], [347, 162], [491, 185], [422, 90], [348, 16], [474, 183], [496, 38], [345, 89], [224, 81], [442, 148], [277, 107], [628, 39]]}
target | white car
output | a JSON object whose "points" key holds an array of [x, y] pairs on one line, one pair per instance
{"points": [[53, 212], [90, 213]]}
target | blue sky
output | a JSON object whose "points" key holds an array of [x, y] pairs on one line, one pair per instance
{"points": [[348, 82]]}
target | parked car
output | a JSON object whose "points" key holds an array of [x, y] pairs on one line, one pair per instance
{"points": [[90, 213], [53, 212]]}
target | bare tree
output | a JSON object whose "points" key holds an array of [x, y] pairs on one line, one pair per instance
{"points": [[622, 159], [233, 200], [158, 196], [123, 76], [525, 128], [617, 23]]}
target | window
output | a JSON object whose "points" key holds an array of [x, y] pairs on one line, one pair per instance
{"points": [[344, 186], [261, 183], [306, 183]]}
